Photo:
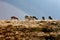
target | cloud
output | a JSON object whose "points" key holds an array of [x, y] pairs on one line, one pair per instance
{"points": [[8, 10]]}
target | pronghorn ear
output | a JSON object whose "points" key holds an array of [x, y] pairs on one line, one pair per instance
{"points": [[26, 16], [50, 17], [43, 18]]}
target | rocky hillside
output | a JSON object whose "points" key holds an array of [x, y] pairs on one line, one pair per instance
{"points": [[30, 30]]}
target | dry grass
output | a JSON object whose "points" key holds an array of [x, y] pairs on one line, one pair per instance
{"points": [[29, 30]]}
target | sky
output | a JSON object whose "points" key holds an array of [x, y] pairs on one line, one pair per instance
{"points": [[37, 8]]}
